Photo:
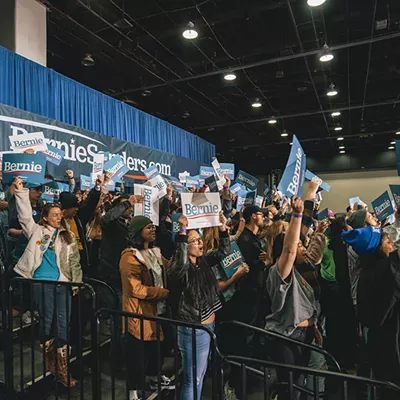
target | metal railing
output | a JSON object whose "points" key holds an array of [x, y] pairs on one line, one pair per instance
{"points": [[3, 327]]}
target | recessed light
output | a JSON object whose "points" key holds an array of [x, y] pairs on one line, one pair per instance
{"points": [[315, 3], [272, 121], [336, 114], [338, 128], [340, 138], [230, 77], [342, 152], [391, 147]]}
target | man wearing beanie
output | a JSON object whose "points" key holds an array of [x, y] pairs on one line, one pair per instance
{"points": [[361, 218]]}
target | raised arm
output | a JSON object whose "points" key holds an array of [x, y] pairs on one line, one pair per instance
{"points": [[290, 244]]}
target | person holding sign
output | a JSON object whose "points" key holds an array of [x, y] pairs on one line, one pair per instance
{"points": [[195, 298], [51, 254]]}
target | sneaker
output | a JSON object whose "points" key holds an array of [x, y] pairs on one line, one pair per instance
{"points": [[27, 318], [165, 384], [229, 392]]}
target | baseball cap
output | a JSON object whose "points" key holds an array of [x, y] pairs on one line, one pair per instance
{"points": [[250, 210]]}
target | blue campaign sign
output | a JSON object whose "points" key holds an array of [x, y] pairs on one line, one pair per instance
{"points": [[175, 183], [54, 154], [292, 180], [228, 169], [231, 263], [324, 214], [86, 182], [245, 198], [211, 182], [322, 184], [151, 172], [175, 225], [247, 180], [235, 189], [192, 181], [116, 167], [266, 189], [395, 189], [205, 172], [383, 206], [29, 167], [51, 191]]}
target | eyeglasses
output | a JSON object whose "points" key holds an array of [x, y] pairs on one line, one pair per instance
{"points": [[260, 214], [196, 242]]}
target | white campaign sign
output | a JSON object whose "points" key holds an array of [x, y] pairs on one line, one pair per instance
{"points": [[21, 143], [158, 182], [219, 174], [201, 209], [150, 206], [98, 166]]}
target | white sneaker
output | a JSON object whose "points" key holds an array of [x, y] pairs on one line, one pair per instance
{"points": [[165, 384], [27, 318]]}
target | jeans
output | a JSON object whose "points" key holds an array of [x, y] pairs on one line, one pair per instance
{"points": [[54, 306], [203, 340]]}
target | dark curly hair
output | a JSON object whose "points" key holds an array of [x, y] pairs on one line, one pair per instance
{"points": [[136, 241]]}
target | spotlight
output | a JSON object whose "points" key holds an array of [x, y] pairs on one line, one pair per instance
{"points": [[189, 33], [284, 133], [326, 54], [88, 60], [342, 152], [391, 147], [315, 3], [340, 138], [230, 76], [332, 91], [272, 121], [336, 114], [341, 147], [392, 142], [256, 103], [338, 128], [398, 133]]}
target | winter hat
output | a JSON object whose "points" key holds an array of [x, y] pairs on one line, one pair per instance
{"points": [[138, 223], [357, 219], [68, 200], [364, 240]]}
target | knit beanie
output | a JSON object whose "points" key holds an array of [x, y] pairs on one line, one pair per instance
{"points": [[138, 223], [364, 241], [68, 200], [357, 219]]}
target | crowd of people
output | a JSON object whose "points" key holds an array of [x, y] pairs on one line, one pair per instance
{"points": [[333, 283]]}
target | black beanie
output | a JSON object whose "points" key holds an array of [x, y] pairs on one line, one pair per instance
{"points": [[68, 200]]}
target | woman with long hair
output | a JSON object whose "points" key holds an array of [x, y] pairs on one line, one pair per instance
{"points": [[195, 297], [143, 292], [272, 240], [51, 254]]}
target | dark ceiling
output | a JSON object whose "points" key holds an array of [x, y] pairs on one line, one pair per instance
{"points": [[272, 45]]}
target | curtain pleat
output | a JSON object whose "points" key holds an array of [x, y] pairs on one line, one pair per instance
{"points": [[32, 87]]}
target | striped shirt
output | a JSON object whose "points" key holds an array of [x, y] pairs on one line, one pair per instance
{"points": [[209, 309]]}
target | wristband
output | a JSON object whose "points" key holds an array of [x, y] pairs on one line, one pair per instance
{"points": [[297, 215], [183, 231], [226, 187]]}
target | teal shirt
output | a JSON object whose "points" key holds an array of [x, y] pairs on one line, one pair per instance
{"points": [[220, 275], [48, 269]]}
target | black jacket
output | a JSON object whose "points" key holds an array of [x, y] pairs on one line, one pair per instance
{"points": [[114, 240], [182, 304]]}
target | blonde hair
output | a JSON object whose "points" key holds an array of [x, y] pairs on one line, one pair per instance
{"points": [[269, 235], [210, 239]]}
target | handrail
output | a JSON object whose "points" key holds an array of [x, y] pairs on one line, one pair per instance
{"points": [[287, 339], [106, 285]]}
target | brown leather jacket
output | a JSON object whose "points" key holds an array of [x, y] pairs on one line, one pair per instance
{"points": [[139, 295]]}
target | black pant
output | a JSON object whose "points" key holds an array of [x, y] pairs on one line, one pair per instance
{"points": [[141, 360], [287, 353]]}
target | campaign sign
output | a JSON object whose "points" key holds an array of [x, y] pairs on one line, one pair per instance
{"points": [[258, 201], [211, 182], [158, 183], [383, 206], [54, 154], [268, 198], [98, 166], [107, 156], [245, 198], [150, 206], [51, 191], [231, 263], [217, 168], [235, 189], [205, 172], [322, 184], [183, 176], [324, 214], [292, 180], [175, 183], [395, 189], [34, 141], [29, 167], [354, 200], [86, 182], [247, 180], [192, 182], [201, 209], [398, 156], [151, 172], [116, 167], [110, 186], [266, 189], [175, 224], [228, 169]]}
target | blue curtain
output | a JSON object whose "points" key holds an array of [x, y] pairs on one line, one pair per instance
{"points": [[31, 87]]}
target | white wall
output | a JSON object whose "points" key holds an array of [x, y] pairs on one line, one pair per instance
{"points": [[30, 30], [367, 185]]}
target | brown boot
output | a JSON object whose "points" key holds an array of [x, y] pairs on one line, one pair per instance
{"points": [[50, 355], [62, 367]]}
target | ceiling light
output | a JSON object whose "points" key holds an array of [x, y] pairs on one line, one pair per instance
{"points": [[341, 147], [342, 152], [189, 33], [291, 143], [146, 93], [338, 128], [392, 142], [284, 133], [256, 103], [336, 114], [88, 60], [340, 138], [398, 133], [315, 3], [391, 147], [326, 54], [272, 121], [230, 76], [332, 91]]}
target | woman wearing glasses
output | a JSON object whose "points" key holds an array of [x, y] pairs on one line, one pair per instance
{"points": [[195, 298], [143, 292]]}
